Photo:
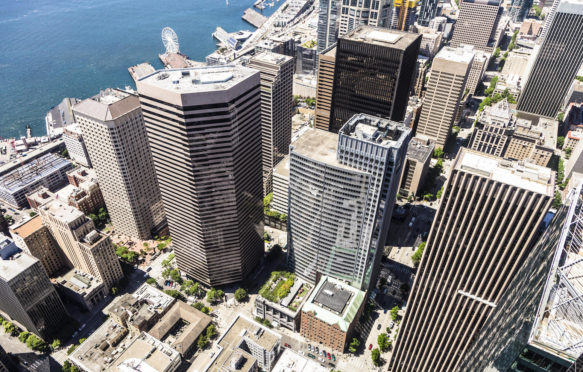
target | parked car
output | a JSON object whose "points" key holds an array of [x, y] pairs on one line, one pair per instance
{"points": [[317, 350], [312, 356], [286, 345], [149, 269], [379, 326], [309, 347], [333, 357], [329, 356], [370, 346], [391, 324]]}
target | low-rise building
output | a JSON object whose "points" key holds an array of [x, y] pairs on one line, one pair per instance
{"points": [[48, 170], [416, 166], [27, 296], [35, 239], [80, 288], [284, 312], [181, 326], [331, 313], [430, 41], [246, 346], [421, 68], [290, 361], [493, 129], [146, 354], [534, 139]]}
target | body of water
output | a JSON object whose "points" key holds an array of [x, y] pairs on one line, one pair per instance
{"points": [[53, 49]]}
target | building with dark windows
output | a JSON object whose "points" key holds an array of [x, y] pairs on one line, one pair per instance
{"points": [[328, 17], [204, 129], [338, 222], [558, 60], [486, 226], [519, 10], [374, 70], [427, 12]]}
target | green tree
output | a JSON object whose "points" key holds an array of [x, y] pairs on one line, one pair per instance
{"points": [[36, 343], [8, 219], [114, 291], [395, 313], [266, 236], [560, 142], [69, 367], [354, 344], [267, 200], [32, 214], [151, 281], [240, 294], [9, 328], [439, 193], [383, 341], [211, 296], [211, 331], [557, 200], [56, 344], [65, 153], [71, 349], [438, 153], [174, 293], [376, 356], [23, 336], [175, 276], [202, 342], [416, 257], [496, 53]]}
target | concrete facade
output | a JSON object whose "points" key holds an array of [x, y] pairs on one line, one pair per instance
{"points": [[326, 63], [477, 24], [76, 145], [113, 129], [416, 166]]}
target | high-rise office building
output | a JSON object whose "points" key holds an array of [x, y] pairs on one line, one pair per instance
{"points": [[374, 71], [83, 246], [328, 23], [519, 9], [342, 189], [276, 72], [486, 225], [113, 130], [403, 14], [549, 19], [444, 90], [559, 58], [427, 12], [76, 148], [27, 296], [204, 129], [537, 323], [375, 13], [326, 63], [477, 24]]}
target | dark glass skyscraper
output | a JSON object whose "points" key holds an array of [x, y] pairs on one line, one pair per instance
{"points": [[557, 62], [328, 22], [427, 12], [374, 71], [519, 9]]}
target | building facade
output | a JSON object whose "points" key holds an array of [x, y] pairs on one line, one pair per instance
{"points": [[35, 239], [276, 72], [76, 145], [342, 233], [485, 227], [445, 88], [371, 13], [556, 64], [373, 74], [204, 128], [113, 129], [477, 24], [416, 166], [28, 297], [328, 23], [427, 12], [281, 186], [326, 63]]}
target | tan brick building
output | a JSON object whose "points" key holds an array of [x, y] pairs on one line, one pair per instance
{"points": [[331, 313], [326, 63]]}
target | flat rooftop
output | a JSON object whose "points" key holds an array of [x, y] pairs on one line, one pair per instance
{"points": [[419, 151], [62, 211], [323, 312], [373, 129], [16, 264], [282, 168], [27, 174], [79, 282], [515, 173], [146, 354], [109, 104], [26, 228], [290, 361], [199, 79], [319, 145], [461, 54], [333, 297], [533, 124], [382, 36], [271, 57], [154, 297]]}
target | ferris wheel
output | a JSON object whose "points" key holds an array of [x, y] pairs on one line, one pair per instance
{"points": [[170, 40]]}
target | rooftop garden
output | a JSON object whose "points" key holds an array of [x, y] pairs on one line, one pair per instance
{"points": [[299, 297], [278, 286]]}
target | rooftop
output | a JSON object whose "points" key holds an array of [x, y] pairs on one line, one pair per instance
{"points": [[282, 168], [271, 57], [382, 36], [515, 173], [543, 129], [30, 173], [195, 323], [323, 303], [290, 361], [369, 128], [13, 266], [461, 54], [154, 297], [79, 282], [146, 354], [200, 79], [319, 145], [419, 151], [62, 211], [109, 104], [28, 227]]}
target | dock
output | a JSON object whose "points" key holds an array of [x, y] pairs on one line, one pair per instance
{"points": [[253, 18], [174, 60], [141, 70]]}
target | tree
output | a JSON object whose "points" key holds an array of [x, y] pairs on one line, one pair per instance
{"points": [[114, 291], [376, 356], [68, 367], [557, 200], [395, 313], [560, 142], [56, 344], [175, 276], [202, 342], [439, 193], [266, 236], [65, 153], [354, 344], [36, 343], [267, 200], [211, 331], [240, 294], [9, 219], [383, 341], [174, 293], [220, 294], [23, 336], [496, 53], [416, 257], [151, 281], [9, 328], [438, 153], [32, 214]]}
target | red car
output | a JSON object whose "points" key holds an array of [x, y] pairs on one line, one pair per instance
{"points": [[329, 357], [370, 346], [286, 345]]}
